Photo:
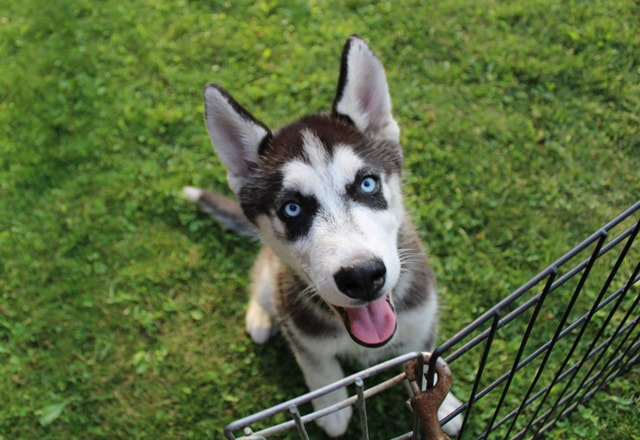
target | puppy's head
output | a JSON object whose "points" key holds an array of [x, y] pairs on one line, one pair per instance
{"points": [[324, 191]]}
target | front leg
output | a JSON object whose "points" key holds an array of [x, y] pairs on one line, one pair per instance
{"points": [[319, 371], [450, 404], [260, 318]]}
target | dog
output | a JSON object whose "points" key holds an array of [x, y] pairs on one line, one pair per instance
{"points": [[342, 273]]}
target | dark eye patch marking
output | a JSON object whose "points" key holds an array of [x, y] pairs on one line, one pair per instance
{"points": [[306, 207], [360, 189]]}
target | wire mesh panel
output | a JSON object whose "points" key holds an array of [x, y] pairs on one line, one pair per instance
{"points": [[527, 362], [556, 340]]}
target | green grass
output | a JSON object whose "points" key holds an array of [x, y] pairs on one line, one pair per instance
{"points": [[122, 306]]}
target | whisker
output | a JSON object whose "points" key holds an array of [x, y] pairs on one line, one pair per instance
{"points": [[408, 258], [308, 292], [410, 255]]}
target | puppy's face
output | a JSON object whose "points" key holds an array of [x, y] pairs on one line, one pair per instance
{"points": [[327, 200]]}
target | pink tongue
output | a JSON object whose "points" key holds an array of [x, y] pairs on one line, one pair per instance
{"points": [[373, 324]]}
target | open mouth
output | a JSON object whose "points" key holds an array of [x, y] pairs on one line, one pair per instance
{"points": [[371, 325]]}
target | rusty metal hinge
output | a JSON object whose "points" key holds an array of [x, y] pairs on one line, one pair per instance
{"points": [[425, 403]]}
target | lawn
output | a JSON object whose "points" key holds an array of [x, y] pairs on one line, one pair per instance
{"points": [[122, 305]]}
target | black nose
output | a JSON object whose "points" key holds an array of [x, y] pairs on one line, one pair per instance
{"points": [[363, 280]]}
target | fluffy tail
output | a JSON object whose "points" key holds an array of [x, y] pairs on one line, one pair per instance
{"points": [[223, 209]]}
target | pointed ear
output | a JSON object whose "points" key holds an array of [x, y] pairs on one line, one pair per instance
{"points": [[363, 94], [236, 135]]}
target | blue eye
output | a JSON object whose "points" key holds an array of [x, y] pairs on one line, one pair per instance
{"points": [[369, 185], [291, 210]]}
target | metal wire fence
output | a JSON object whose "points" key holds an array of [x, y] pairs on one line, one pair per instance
{"points": [[524, 364]]}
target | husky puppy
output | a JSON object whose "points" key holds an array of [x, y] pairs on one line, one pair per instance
{"points": [[342, 272]]}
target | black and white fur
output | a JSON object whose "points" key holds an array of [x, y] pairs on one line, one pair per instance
{"points": [[342, 272]]}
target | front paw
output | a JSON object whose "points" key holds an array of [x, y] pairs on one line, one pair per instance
{"points": [[336, 424], [260, 325]]}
